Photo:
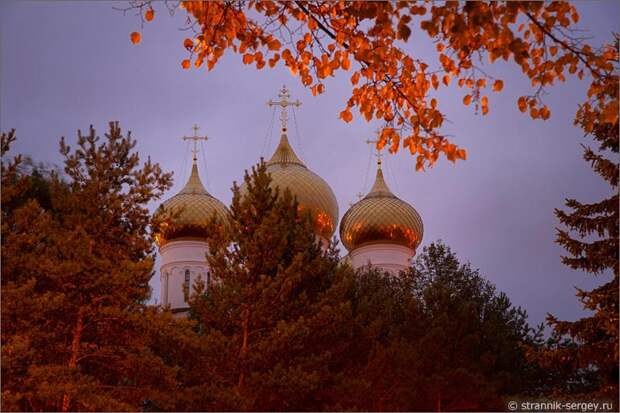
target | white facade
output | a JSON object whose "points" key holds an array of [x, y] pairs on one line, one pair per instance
{"points": [[183, 262], [386, 257]]}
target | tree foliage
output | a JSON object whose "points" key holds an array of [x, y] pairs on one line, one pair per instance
{"points": [[371, 40], [271, 321], [76, 261], [437, 338], [590, 238]]}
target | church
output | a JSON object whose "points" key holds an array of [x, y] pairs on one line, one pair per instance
{"points": [[380, 229]]}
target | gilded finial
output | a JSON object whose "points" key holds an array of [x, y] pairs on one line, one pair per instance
{"points": [[194, 184], [379, 188], [195, 139], [284, 102], [378, 153]]}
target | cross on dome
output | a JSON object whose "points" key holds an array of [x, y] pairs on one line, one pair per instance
{"points": [[195, 139], [284, 102], [378, 153]]}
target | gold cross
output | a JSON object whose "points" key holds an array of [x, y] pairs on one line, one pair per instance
{"points": [[378, 154], [284, 102], [195, 138]]}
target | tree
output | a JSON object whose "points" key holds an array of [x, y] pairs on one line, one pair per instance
{"points": [[316, 39], [590, 238], [76, 262], [474, 337], [272, 319], [439, 337]]}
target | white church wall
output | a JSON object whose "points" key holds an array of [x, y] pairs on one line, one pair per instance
{"points": [[387, 257], [179, 258]]}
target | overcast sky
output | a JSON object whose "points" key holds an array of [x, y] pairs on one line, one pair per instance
{"points": [[66, 65]]}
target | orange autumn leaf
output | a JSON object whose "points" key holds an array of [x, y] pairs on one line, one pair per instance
{"points": [[148, 16], [467, 100], [185, 64], [135, 37], [346, 64], [498, 85], [346, 116], [274, 44], [188, 44], [248, 58]]}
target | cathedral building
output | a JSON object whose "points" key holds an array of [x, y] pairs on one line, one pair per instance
{"points": [[380, 230]]}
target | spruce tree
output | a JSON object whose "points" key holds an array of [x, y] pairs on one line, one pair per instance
{"points": [[272, 319], [590, 238], [76, 331]]}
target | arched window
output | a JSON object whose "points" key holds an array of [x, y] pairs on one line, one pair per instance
{"points": [[165, 295], [187, 279]]}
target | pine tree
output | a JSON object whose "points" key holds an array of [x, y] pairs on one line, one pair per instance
{"points": [[590, 238], [76, 332], [272, 319]]}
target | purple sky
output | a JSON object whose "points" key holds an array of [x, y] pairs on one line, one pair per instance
{"points": [[66, 65]]}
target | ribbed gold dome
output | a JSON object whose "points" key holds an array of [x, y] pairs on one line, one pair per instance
{"points": [[312, 192], [381, 217], [187, 213]]}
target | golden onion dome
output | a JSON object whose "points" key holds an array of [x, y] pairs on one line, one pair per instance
{"points": [[312, 192], [381, 217], [187, 213]]}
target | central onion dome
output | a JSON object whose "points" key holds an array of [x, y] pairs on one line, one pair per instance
{"points": [[187, 213], [381, 217], [312, 192]]}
